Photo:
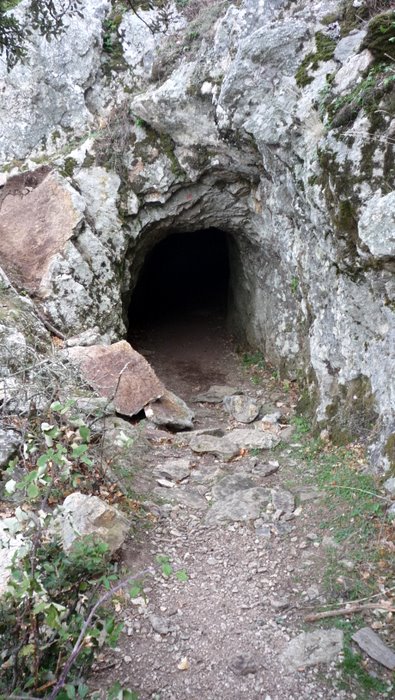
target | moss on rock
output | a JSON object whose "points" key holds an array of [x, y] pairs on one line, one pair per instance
{"points": [[380, 36], [325, 48]]}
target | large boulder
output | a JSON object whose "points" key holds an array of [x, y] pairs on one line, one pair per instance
{"points": [[119, 373]]}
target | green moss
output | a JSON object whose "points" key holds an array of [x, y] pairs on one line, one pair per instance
{"points": [[325, 48], [68, 168], [89, 160], [380, 36], [389, 451]]}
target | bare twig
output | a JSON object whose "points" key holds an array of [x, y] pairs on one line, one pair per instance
{"points": [[368, 493], [80, 641], [351, 610]]}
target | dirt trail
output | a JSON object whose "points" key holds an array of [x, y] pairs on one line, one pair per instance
{"points": [[219, 628]]}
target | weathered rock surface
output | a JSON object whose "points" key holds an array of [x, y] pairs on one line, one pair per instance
{"points": [[9, 443], [170, 411], [240, 506], [246, 438], [371, 643], [232, 484], [312, 648], [47, 212], [88, 517], [242, 408], [119, 373], [219, 446], [175, 469]]}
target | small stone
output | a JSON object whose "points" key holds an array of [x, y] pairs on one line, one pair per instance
{"points": [[279, 603], [312, 593], [161, 625], [264, 531], [84, 516], [243, 665], [183, 665], [263, 469], [283, 501], [241, 408], [170, 411], [389, 486]]}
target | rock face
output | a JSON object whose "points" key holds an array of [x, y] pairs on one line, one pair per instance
{"points": [[240, 130], [119, 373]]}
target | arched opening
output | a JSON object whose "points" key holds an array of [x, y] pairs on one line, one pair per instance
{"points": [[178, 309]]}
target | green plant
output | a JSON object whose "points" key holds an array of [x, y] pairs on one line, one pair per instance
{"points": [[253, 359], [294, 285], [54, 614], [44, 16]]}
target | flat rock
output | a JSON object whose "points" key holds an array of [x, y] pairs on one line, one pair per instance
{"points": [[85, 516], [120, 374], [312, 648], [9, 442], [240, 506], [248, 438], [371, 643], [218, 446], [216, 394], [241, 408], [175, 469], [232, 483], [187, 497], [170, 411]]}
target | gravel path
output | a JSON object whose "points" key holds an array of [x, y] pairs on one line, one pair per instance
{"points": [[221, 625]]}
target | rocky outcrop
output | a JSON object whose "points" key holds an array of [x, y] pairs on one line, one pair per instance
{"points": [[271, 121]]}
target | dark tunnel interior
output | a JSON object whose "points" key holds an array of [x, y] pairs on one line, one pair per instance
{"points": [[184, 275]]}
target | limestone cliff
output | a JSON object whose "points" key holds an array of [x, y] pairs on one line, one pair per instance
{"points": [[272, 120]]}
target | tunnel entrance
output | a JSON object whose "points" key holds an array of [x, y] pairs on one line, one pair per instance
{"points": [[177, 312]]}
